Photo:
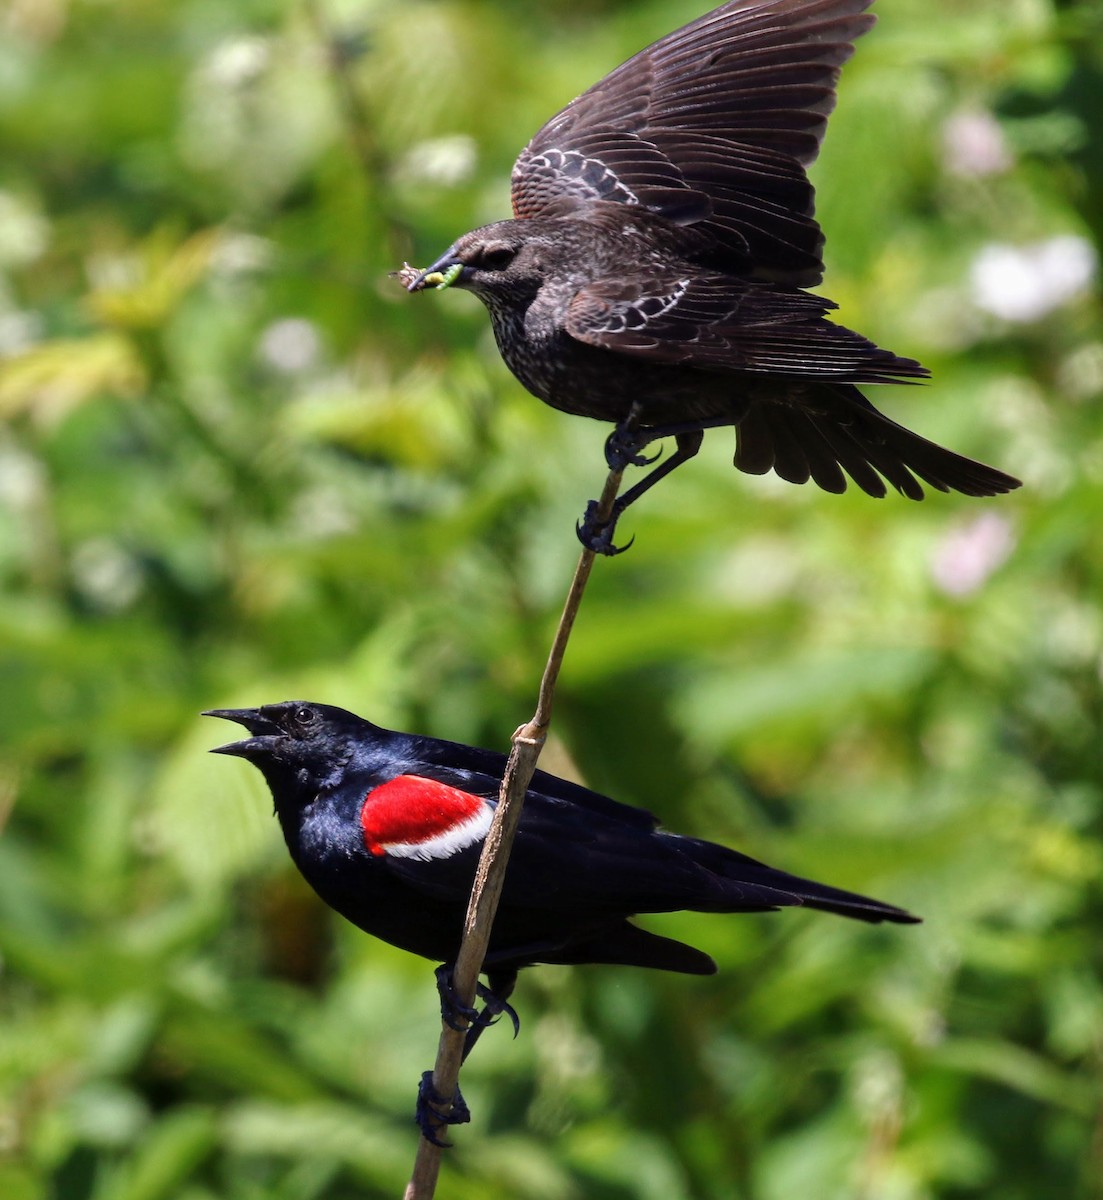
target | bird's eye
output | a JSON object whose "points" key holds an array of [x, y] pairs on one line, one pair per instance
{"points": [[495, 260], [304, 716]]}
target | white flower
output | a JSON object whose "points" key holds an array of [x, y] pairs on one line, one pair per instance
{"points": [[106, 574], [238, 61], [973, 144], [241, 254], [970, 553], [291, 344], [19, 330], [443, 161], [24, 233], [1024, 283]]}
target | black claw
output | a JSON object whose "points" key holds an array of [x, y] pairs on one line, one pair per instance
{"points": [[432, 1111], [515, 1020], [622, 449], [471, 1021], [597, 535], [459, 1018], [496, 1007], [453, 1012]]}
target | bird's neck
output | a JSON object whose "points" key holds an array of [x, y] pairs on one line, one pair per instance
{"points": [[317, 830], [524, 333]]}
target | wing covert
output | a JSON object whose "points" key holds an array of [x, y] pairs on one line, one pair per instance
{"points": [[714, 322]]}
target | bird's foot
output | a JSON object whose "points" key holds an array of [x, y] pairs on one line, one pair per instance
{"points": [[494, 1007], [453, 1012], [623, 446], [434, 1113], [463, 1017], [597, 535]]}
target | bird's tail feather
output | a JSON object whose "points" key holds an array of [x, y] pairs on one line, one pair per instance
{"points": [[741, 883], [839, 430]]}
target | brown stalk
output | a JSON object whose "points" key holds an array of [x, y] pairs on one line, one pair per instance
{"points": [[528, 741]]}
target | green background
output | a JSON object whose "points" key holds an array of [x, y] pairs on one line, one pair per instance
{"points": [[239, 465]]}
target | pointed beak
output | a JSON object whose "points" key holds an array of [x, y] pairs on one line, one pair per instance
{"points": [[261, 727], [442, 274]]}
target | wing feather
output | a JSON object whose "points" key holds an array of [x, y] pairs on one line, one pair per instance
{"points": [[717, 322], [732, 108]]}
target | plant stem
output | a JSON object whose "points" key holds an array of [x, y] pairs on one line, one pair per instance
{"points": [[528, 741]]}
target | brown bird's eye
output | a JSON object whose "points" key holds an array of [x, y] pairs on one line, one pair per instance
{"points": [[495, 260]]}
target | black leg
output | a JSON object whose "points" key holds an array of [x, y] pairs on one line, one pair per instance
{"points": [[598, 535], [462, 1017], [495, 1004], [623, 445], [433, 1112], [454, 1014]]}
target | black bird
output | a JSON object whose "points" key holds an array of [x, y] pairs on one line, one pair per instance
{"points": [[387, 828], [653, 273]]}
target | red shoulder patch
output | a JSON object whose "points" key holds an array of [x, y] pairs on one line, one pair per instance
{"points": [[410, 812]]}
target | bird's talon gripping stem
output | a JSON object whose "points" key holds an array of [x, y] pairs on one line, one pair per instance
{"points": [[597, 535], [455, 1014], [433, 1111], [464, 1018], [623, 446]]}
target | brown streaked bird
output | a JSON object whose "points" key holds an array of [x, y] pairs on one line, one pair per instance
{"points": [[653, 273]]}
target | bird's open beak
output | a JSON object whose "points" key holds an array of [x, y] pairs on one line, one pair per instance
{"points": [[261, 727], [442, 274]]}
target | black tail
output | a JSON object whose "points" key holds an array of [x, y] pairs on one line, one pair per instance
{"points": [[836, 429], [741, 884]]}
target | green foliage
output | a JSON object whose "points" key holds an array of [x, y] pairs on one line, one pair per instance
{"points": [[239, 465]]}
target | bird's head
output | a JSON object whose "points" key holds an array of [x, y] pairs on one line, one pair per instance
{"points": [[300, 748], [507, 260]]}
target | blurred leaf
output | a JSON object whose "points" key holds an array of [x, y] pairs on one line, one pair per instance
{"points": [[737, 703], [163, 274], [1018, 1068], [52, 379], [167, 1156]]}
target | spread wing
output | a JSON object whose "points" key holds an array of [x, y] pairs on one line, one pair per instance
{"points": [[715, 321], [712, 125], [826, 426]]}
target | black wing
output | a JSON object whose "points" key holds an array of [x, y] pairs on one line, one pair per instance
{"points": [[721, 323], [825, 426], [587, 861], [712, 125], [480, 772]]}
